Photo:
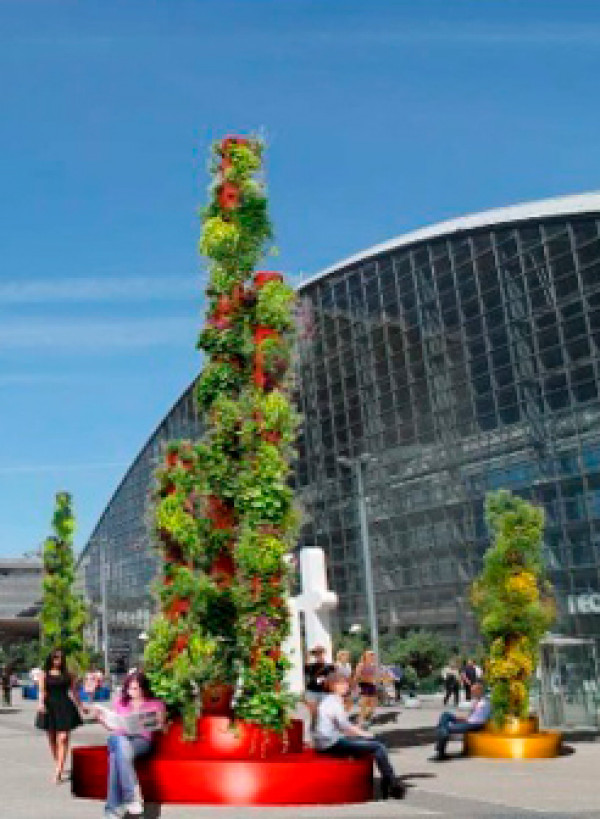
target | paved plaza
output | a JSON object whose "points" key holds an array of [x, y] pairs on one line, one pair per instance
{"points": [[565, 787]]}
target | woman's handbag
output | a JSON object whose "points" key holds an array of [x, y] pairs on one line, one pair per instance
{"points": [[41, 720]]}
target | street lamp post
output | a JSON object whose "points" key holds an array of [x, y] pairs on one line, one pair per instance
{"points": [[104, 603], [357, 465]]}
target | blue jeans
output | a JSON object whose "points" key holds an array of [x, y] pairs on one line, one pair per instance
{"points": [[355, 746], [122, 779], [449, 724]]}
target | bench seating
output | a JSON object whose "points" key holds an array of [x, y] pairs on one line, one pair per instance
{"points": [[305, 778]]}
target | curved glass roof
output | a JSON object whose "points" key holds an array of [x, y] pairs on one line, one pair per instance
{"points": [[576, 204]]}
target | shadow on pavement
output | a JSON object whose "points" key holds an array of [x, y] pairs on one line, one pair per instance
{"points": [[408, 737], [581, 736]]}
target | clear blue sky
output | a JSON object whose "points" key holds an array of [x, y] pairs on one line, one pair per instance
{"points": [[381, 117]]}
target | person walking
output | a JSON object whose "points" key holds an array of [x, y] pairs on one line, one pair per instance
{"points": [[6, 681], [451, 676], [58, 702], [450, 724], [367, 677], [468, 676], [337, 736], [129, 739]]}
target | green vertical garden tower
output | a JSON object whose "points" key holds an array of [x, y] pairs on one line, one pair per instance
{"points": [[224, 514], [64, 614]]}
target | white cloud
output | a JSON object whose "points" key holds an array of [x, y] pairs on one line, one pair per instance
{"points": [[86, 335], [99, 289], [17, 469]]}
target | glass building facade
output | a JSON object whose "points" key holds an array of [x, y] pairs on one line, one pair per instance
{"points": [[121, 546], [446, 363]]}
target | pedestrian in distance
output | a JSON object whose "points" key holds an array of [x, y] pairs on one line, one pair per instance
{"points": [[344, 666], [336, 736], [135, 715], [58, 708], [6, 681], [367, 677], [450, 724], [468, 676], [451, 677]]}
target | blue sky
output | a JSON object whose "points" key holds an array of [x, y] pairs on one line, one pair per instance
{"points": [[380, 116]]}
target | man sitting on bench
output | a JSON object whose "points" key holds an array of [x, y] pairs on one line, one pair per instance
{"points": [[336, 735], [450, 724]]}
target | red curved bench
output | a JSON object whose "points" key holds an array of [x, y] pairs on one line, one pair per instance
{"points": [[232, 765]]}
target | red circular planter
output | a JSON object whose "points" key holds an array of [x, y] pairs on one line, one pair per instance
{"points": [[232, 763], [304, 778]]}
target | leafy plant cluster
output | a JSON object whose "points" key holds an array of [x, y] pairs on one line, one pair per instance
{"points": [[420, 650], [64, 613], [513, 601], [226, 519]]}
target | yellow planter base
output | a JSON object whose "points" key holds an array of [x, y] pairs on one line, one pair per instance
{"points": [[497, 745]]}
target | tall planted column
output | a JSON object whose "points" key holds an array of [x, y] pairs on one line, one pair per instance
{"points": [[513, 601], [64, 614], [224, 509]]}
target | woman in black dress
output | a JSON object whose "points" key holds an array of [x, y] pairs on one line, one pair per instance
{"points": [[57, 692]]}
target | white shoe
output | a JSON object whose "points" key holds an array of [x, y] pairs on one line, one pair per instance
{"points": [[114, 813], [135, 808]]}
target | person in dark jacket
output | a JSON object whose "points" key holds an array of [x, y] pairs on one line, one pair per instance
{"points": [[468, 675], [316, 671]]}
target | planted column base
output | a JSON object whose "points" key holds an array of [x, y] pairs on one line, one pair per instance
{"points": [[516, 739], [232, 764]]}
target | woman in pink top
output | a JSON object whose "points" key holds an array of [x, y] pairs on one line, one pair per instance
{"points": [[123, 747]]}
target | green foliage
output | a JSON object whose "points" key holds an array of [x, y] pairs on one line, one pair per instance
{"points": [[220, 239], [259, 553], [274, 306], [512, 600], [64, 614], [422, 650], [263, 493], [21, 656], [278, 414], [222, 280], [226, 342], [217, 378], [261, 702]]}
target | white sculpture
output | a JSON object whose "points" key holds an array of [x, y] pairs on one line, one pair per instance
{"points": [[314, 603]]}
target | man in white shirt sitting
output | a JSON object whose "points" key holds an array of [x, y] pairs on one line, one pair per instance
{"points": [[449, 723], [336, 735]]}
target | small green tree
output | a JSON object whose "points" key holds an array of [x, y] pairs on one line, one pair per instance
{"points": [[422, 650], [21, 656], [513, 601], [64, 613]]}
